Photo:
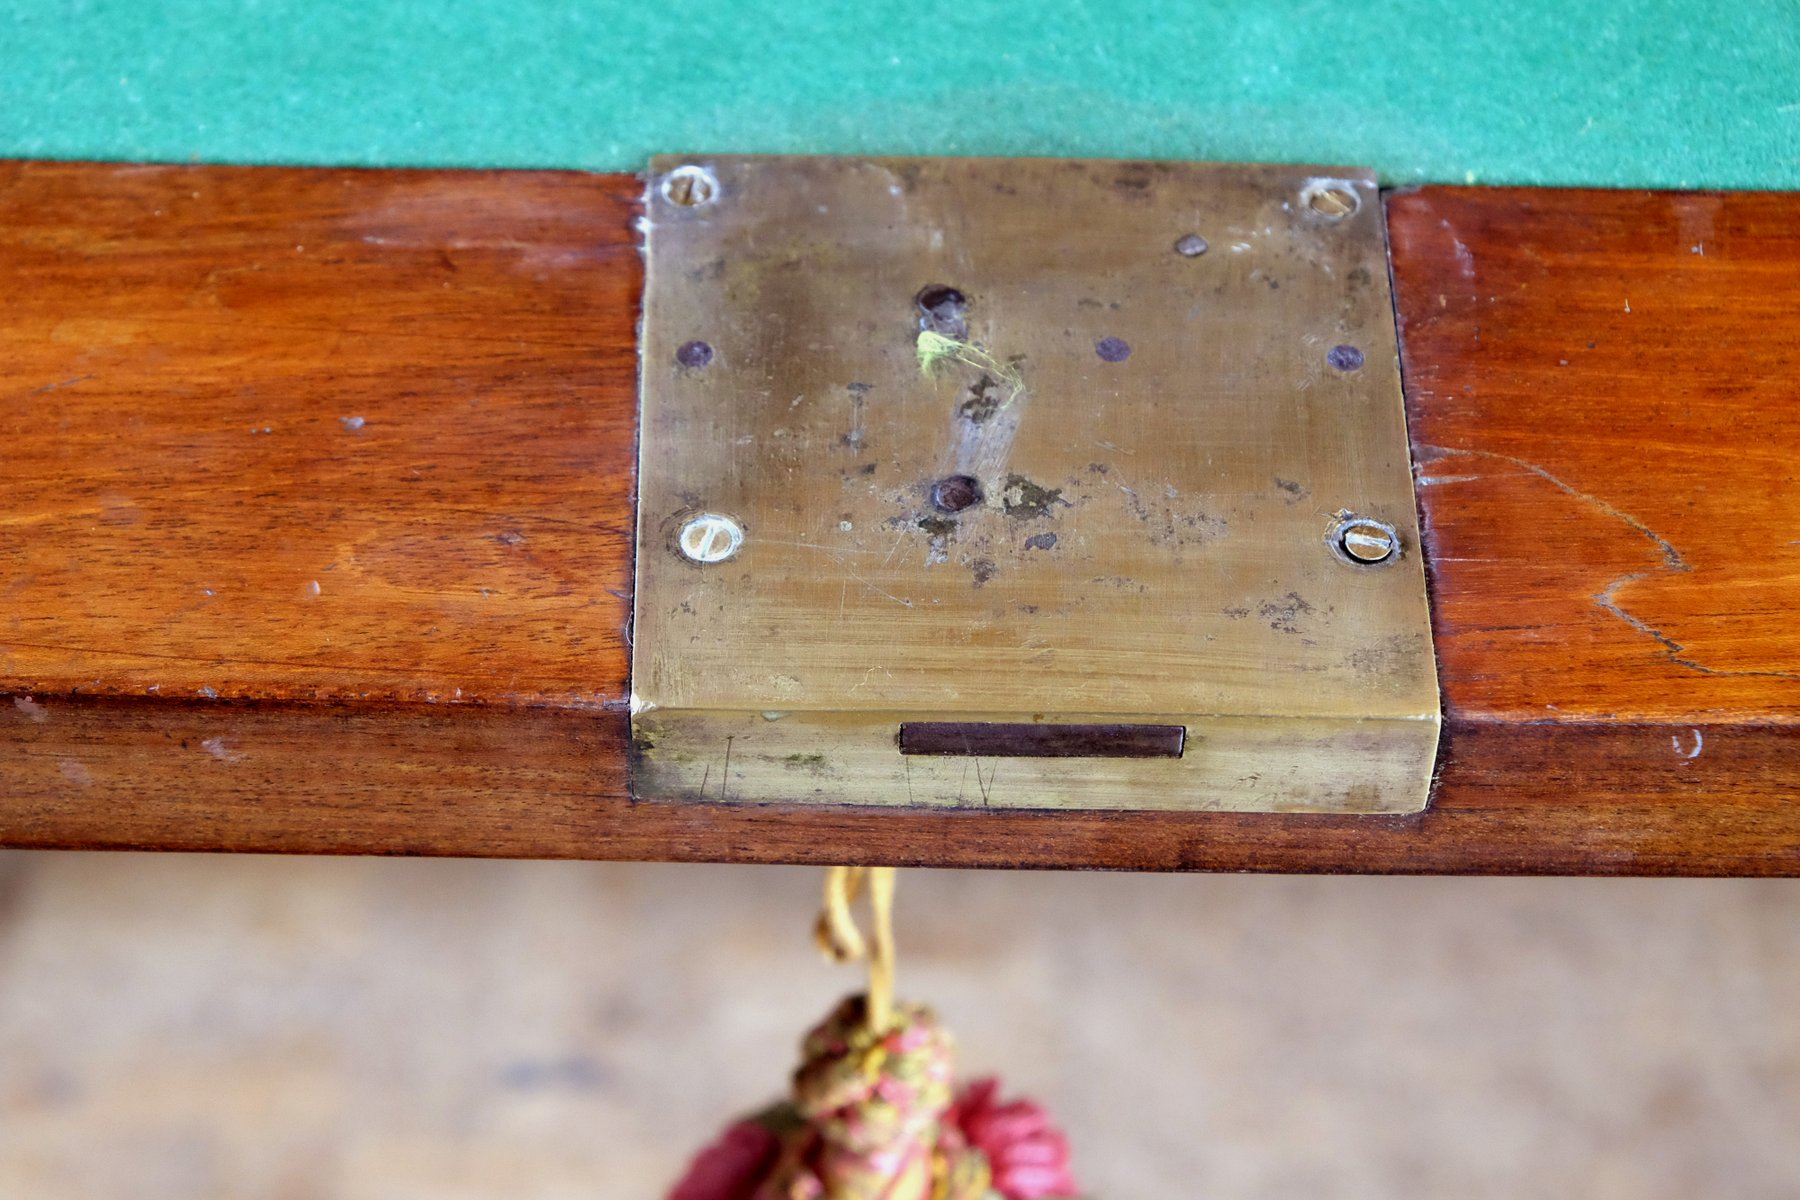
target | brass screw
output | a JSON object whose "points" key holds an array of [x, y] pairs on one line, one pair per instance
{"points": [[709, 538], [689, 186], [1364, 541], [1331, 199]]}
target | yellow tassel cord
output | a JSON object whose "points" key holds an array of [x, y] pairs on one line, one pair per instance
{"points": [[842, 940]]}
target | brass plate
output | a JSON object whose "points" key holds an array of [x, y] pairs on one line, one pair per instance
{"points": [[1164, 441]]}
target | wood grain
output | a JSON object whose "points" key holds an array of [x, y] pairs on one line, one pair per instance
{"points": [[1602, 405], [326, 435], [1609, 534], [332, 779]]}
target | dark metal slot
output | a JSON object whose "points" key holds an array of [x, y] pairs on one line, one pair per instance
{"points": [[982, 739]]}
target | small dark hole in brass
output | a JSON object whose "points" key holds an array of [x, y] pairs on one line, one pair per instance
{"points": [[1112, 349], [694, 354], [954, 493], [943, 310]]}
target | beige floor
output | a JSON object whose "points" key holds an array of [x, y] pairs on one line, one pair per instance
{"points": [[185, 1028]]}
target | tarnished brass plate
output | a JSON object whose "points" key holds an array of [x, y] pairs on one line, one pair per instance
{"points": [[971, 446]]}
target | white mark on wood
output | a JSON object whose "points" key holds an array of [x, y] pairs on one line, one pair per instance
{"points": [[351, 423], [216, 747], [74, 772], [32, 709], [1699, 742], [313, 587], [1435, 480], [1465, 258]]}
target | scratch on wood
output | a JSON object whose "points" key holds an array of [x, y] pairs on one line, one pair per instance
{"points": [[878, 591], [51, 387], [988, 787], [1671, 556], [1604, 599]]}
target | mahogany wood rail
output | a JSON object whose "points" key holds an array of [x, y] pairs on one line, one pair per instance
{"points": [[319, 493]]}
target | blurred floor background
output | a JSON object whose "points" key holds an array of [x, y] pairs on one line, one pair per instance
{"points": [[185, 1028]]}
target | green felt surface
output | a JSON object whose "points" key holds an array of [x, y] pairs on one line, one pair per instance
{"points": [[1683, 93]]}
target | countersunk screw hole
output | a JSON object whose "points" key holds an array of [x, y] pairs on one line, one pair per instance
{"points": [[954, 493], [690, 186], [943, 310], [1344, 358], [709, 538], [1191, 246], [694, 355]]}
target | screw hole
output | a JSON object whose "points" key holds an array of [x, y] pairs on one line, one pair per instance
{"points": [[1344, 358], [943, 310], [690, 186], [1191, 246], [955, 493], [1112, 349], [693, 355]]}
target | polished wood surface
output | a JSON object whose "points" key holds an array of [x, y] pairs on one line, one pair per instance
{"points": [[238, 618], [1602, 404], [322, 435]]}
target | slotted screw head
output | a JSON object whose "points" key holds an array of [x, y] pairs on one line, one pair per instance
{"points": [[690, 186], [1332, 199], [709, 538], [1364, 541]]}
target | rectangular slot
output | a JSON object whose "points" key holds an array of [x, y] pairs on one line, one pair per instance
{"points": [[987, 739]]}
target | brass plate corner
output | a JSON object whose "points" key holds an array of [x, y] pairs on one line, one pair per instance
{"points": [[1025, 483]]}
